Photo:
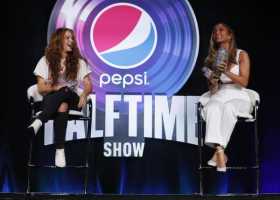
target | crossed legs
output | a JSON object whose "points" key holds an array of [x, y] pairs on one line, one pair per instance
{"points": [[56, 106], [220, 121]]}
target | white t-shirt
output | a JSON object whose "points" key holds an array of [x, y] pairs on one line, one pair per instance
{"points": [[42, 70]]}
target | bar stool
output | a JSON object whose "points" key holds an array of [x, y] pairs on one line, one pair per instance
{"points": [[35, 100], [255, 101]]}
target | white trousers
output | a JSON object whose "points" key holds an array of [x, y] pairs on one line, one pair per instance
{"points": [[221, 118]]}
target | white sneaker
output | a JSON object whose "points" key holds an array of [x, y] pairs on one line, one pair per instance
{"points": [[212, 163], [221, 169], [60, 158]]}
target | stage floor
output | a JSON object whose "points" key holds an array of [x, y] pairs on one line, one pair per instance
{"points": [[41, 196]]}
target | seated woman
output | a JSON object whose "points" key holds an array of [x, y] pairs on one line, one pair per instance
{"points": [[59, 73], [227, 98]]}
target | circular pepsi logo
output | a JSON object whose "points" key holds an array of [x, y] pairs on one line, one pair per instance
{"points": [[123, 35], [133, 46]]}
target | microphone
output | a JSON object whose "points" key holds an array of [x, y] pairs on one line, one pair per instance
{"points": [[221, 57]]}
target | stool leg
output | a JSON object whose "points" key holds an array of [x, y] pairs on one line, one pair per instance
{"points": [[29, 162], [199, 134], [86, 163], [88, 149], [28, 190], [257, 154]]}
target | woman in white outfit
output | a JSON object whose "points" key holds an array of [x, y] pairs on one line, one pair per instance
{"points": [[223, 104]]}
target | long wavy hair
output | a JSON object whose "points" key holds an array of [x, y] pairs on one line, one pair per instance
{"points": [[53, 53], [213, 48]]}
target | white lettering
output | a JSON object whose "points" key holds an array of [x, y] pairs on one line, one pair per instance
{"points": [[106, 81], [94, 133], [77, 127], [110, 115], [132, 118], [138, 149], [173, 119], [191, 112], [148, 116], [127, 149], [107, 149], [116, 79], [118, 149], [176, 115], [124, 81]]}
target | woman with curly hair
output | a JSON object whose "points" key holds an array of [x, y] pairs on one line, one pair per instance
{"points": [[59, 73], [227, 97]]}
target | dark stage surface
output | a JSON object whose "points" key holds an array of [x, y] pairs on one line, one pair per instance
{"points": [[135, 197]]}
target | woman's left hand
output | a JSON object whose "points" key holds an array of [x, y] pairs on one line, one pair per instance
{"points": [[82, 101]]}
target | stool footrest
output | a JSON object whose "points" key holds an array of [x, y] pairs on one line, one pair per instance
{"points": [[232, 168], [53, 166]]}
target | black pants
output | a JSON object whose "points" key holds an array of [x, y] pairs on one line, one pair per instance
{"points": [[50, 105]]}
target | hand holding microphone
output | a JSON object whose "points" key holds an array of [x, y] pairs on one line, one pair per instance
{"points": [[220, 63], [218, 67]]}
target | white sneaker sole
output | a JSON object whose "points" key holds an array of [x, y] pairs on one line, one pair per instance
{"points": [[221, 169], [212, 163]]}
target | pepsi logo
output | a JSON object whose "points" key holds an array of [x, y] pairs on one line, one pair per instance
{"points": [[136, 46], [123, 36]]}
